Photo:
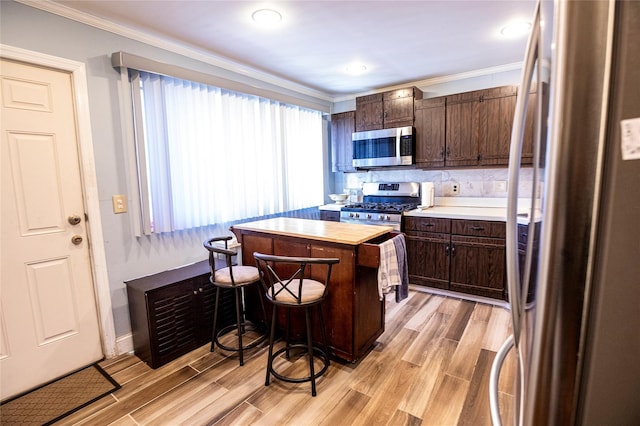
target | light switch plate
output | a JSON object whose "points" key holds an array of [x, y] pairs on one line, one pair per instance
{"points": [[119, 204]]}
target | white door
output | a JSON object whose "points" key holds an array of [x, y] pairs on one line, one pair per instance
{"points": [[48, 316]]}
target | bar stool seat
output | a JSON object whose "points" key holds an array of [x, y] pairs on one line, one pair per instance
{"points": [[239, 276], [236, 277], [297, 291]]}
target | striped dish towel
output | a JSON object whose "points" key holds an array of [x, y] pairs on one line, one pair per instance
{"points": [[388, 273]]}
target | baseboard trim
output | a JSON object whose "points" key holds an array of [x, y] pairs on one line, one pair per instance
{"points": [[124, 344]]}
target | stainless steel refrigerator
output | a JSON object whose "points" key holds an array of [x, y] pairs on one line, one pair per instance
{"points": [[577, 338]]}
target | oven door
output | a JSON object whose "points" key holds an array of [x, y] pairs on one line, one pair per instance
{"points": [[387, 147]]}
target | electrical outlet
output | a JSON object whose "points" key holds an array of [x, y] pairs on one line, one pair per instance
{"points": [[119, 204], [455, 188]]}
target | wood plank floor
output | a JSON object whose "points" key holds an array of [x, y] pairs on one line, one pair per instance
{"points": [[431, 367]]}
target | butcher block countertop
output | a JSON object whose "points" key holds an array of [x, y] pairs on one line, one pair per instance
{"points": [[321, 230]]}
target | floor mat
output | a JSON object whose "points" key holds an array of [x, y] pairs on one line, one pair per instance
{"points": [[59, 398]]}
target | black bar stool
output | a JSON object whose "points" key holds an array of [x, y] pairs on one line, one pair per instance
{"points": [[236, 277], [296, 291]]}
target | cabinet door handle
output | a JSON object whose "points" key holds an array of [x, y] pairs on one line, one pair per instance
{"points": [[453, 250], [446, 250], [195, 292], [201, 290]]}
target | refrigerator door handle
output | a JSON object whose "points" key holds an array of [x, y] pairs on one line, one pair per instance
{"points": [[515, 152], [494, 378]]}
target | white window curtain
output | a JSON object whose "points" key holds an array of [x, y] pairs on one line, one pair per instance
{"points": [[209, 155]]}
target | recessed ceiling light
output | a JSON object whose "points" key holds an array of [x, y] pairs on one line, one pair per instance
{"points": [[356, 69], [266, 17], [516, 29]]}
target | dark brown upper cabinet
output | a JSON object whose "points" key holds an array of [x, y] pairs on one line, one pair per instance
{"points": [[397, 107], [463, 129], [342, 127], [527, 148], [496, 111], [386, 110], [369, 113], [430, 117]]}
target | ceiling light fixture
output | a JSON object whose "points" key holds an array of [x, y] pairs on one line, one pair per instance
{"points": [[266, 17], [356, 69], [516, 29]]}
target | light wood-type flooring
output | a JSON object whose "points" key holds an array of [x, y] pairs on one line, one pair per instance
{"points": [[431, 366]]}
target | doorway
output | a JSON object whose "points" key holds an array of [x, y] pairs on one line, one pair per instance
{"points": [[51, 321]]}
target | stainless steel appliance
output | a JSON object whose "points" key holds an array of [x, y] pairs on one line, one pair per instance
{"points": [[386, 147], [577, 343], [383, 204]]}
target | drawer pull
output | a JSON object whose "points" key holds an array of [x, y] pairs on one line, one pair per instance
{"points": [[477, 228], [429, 225]]}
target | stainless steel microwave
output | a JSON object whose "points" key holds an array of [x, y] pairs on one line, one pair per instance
{"points": [[386, 147]]}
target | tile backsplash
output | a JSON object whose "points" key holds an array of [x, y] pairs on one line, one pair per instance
{"points": [[483, 182]]}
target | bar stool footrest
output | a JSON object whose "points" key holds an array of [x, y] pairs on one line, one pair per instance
{"points": [[317, 353], [234, 327]]}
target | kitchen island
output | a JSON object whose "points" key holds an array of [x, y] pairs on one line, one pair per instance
{"points": [[354, 315]]}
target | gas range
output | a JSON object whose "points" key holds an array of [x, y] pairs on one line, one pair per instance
{"points": [[383, 204]]}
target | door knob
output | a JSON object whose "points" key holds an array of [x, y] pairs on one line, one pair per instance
{"points": [[74, 219], [76, 239]]}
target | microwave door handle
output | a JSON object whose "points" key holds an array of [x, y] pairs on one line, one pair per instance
{"points": [[398, 138]]}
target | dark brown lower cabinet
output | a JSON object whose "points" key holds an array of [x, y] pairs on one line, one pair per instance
{"points": [[172, 312], [523, 235], [428, 243], [331, 215], [464, 255]]}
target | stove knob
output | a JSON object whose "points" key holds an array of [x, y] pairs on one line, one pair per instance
{"points": [[369, 216], [350, 214], [381, 217], [387, 217], [357, 215]]}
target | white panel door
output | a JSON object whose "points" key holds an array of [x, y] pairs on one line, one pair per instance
{"points": [[48, 315]]}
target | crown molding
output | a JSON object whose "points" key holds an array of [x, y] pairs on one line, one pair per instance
{"points": [[441, 79]]}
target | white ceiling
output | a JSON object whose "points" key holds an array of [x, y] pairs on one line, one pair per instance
{"points": [[399, 41]]}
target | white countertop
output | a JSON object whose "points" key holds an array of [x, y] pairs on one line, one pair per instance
{"points": [[473, 213], [468, 208], [333, 207]]}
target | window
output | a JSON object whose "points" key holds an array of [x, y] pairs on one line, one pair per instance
{"points": [[208, 155]]}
